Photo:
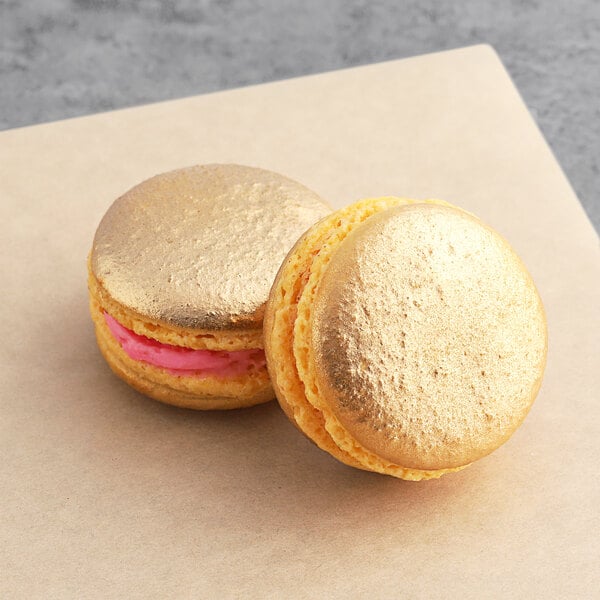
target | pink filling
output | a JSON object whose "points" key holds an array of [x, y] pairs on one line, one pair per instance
{"points": [[185, 361]]}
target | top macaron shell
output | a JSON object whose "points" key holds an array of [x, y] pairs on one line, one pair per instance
{"points": [[199, 247], [428, 337]]}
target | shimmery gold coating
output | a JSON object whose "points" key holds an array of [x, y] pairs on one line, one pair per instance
{"points": [[418, 338], [198, 248], [428, 335]]}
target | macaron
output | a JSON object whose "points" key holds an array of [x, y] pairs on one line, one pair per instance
{"points": [[179, 274], [405, 337]]}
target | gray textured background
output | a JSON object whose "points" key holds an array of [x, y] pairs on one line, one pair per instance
{"points": [[65, 58]]}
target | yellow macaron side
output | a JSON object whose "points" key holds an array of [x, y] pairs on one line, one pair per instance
{"points": [[228, 340], [201, 393]]}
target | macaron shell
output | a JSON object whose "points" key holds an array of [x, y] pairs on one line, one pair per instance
{"points": [[198, 248], [229, 340], [439, 337]]}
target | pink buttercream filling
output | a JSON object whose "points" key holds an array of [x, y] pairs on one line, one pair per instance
{"points": [[186, 362]]}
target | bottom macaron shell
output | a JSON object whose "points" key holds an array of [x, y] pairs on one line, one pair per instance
{"points": [[199, 393]]}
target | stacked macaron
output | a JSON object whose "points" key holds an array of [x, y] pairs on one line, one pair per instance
{"points": [[403, 337], [179, 273]]}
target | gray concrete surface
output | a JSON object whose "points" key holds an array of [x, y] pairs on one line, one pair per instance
{"points": [[64, 58]]}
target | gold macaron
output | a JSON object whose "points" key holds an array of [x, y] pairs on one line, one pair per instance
{"points": [[186, 259], [405, 337]]}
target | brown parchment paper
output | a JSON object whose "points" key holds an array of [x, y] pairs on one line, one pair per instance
{"points": [[106, 494]]}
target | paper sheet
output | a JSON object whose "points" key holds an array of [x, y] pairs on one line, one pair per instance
{"points": [[107, 494]]}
